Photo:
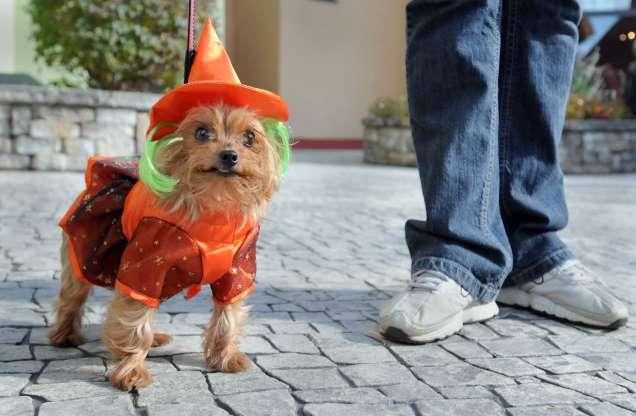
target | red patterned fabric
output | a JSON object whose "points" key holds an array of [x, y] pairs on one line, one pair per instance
{"points": [[150, 258]]}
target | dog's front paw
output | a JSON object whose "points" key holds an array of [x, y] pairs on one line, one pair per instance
{"points": [[160, 338], [233, 362], [126, 378], [64, 336]]}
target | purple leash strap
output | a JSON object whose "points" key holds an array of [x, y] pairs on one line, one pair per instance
{"points": [[189, 55]]}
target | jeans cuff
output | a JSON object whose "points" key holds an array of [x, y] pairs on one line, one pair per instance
{"points": [[539, 268], [460, 274]]}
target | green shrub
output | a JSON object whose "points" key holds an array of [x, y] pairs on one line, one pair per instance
{"points": [[116, 44]]}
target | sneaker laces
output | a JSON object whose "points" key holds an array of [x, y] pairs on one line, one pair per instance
{"points": [[427, 281]]}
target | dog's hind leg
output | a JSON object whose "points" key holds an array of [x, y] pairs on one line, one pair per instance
{"points": [[220, 342], [128, 335], [69, 304]]}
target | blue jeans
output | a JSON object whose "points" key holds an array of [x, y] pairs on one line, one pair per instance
{"points": [[488, 82]]}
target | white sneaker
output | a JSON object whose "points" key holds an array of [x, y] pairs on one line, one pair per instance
{"points": [[432, 307], [570, 292]]}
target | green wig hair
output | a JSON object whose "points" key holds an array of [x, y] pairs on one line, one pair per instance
{"points": [[161, 184]]}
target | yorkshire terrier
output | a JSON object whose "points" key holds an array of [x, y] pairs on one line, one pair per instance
{"points": [[223, 159]]}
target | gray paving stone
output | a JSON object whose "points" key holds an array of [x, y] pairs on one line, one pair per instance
{"points": [[511, 367], [460, 375], [363, 375], [292, 328], [16, 406], [466, 392], [14, 352], [478, 331], [74, 390], [558, 328], [153, 365], [423, 355], [286, 307], [293, 343], [256, 345], [27, 366], [626, 401], [330, 409], [459, 407], [179, 345], [563, 364], [520, 347], [257, 329], [550, 410], [409, 392], [515, 328], [167, 387], [95, 348], [112, 405], [311, 378], [606, 409], [12, 335], [186, 406], [78, 369], [625, 361], [466, 349], [624, 379], [584, 383], [363, 395], [589, 344], [270, 403], [325, 289], [12, 384], [293, 360], [48, 352], [251, 380], [193, 361], [540, 394], [354, 349]]}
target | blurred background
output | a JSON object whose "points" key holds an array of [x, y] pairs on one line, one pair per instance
{"points": [[338, 63]]}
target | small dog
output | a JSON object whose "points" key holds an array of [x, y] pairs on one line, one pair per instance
{"points": [[222, 160]]}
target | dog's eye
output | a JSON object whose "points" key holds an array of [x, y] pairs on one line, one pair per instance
{"points": [[202, 134], [249, 138]]}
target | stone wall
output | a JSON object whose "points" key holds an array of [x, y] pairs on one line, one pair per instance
{"points": [[387, 142], [588, 146], [599, 146], [45, 128]]}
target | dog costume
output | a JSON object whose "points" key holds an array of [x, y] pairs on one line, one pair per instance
{"points": [[120, 234]]}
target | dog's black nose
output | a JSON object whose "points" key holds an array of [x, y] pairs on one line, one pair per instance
{"points": [[228, 158]]}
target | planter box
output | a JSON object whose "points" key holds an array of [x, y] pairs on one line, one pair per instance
{"points": [[388, 142], [588, 146], [599, 146]]}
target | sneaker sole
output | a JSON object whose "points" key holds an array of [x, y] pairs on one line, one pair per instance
{"points": [[454, 324], [516, 297]]}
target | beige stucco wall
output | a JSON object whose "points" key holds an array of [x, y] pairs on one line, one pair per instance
{"points": [[330, 61], [252, 40], [336, 59]]}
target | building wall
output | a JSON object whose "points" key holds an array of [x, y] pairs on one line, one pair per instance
{"points": [[252, 40], [330, 61], [336, 59]]}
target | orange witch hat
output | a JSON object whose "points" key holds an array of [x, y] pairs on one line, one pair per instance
{"points": [[212, 80]]}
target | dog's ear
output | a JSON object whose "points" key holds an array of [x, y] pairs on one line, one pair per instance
{"points": [[279, 135]]}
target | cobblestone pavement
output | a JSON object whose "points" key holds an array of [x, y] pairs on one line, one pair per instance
{"points": [[331, 252]]}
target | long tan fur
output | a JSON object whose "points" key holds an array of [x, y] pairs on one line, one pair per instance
{"points": [[69, 304], [127, 328], [220, 342]]}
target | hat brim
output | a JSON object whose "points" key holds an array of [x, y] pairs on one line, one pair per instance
{"points": [[173, 106]]}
